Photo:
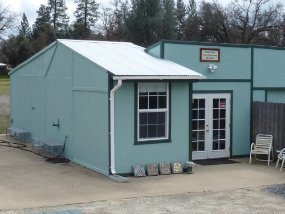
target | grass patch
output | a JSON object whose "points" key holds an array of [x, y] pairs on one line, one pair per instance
{"points": [[4, 90], [4, 85], [4, 122]]}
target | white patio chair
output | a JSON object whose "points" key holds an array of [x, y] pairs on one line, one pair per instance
{"points": [[262, 146], [281, 157]]}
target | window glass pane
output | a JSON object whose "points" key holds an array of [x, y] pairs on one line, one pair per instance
{"points": [[153, 93], [162, 101], [195, 103], [162, 93], [152, 118], [161, 131], [202, 103], [161, 118], [143, 132], [152, 131], [143, 118], [143, 102], [153, 102]]}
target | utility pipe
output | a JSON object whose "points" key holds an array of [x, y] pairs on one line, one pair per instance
{"points": [[112, 122]]}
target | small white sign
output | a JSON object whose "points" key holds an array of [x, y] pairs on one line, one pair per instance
{"points": [[209, 55]]}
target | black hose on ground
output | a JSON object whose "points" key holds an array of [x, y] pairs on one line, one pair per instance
{"points": [[21, 146]]}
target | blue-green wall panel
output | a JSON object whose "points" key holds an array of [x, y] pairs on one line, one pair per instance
{"points": [[234, 62], [155, 51], [240, 112], [259, 95], [91, 144], [87, 75], [128, 154], [276, 96], [269, 68]]}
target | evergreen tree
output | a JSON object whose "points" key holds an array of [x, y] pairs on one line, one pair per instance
{"points": [[144, 22], [181, 19], [59, 18], [86, 15], [43, 32], [169, 30], [25, 30]]}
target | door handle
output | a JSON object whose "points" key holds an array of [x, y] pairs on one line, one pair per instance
{"points": [[207, 128]]}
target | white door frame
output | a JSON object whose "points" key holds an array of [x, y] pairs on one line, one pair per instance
{"points": [[207, 132]]}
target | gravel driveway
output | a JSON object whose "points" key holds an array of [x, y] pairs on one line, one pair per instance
{"points": [[245, 200]]}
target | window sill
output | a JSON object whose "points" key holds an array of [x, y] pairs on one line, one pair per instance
{"points": [[152, 141]]}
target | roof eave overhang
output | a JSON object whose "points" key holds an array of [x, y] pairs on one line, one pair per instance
{"points": [[148, 77]]}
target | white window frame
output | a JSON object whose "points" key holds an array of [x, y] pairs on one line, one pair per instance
{"points": [[153, 110]]}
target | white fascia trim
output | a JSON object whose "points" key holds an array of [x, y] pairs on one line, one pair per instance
{"points": [[158, 77]]}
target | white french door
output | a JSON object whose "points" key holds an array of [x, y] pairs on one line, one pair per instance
{"points": [[210, 126]]}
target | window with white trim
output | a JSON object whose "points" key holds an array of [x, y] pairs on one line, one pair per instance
{"points": [[152, 111]]}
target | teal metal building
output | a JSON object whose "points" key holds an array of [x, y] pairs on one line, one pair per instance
{"points": [[237, 75], [117, 104], [120, 104]]}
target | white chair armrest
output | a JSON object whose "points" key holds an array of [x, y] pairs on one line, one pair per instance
{"points": [[282, 151], [252, 146]]}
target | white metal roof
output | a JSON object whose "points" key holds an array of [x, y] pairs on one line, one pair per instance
{"points": [[129, 61]]}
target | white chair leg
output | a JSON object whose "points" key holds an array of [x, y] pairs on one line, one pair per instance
{"points": [[283, 159], [268, 159], [250, 158], [277, 162]]}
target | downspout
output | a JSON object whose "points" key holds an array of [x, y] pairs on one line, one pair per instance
{"points": [[112, 122]]}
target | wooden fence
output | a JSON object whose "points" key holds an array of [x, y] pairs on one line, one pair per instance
{"points": [[269, 118]]}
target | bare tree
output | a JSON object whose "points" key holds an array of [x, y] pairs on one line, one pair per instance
{"points": [[255, 19], [7, 19]]}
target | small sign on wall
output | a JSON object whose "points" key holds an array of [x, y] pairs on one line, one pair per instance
{"points": [[209, 55]]}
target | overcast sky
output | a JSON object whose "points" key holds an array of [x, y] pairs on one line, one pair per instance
{"points": [[31, 6]]}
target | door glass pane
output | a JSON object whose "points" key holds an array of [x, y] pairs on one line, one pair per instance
{"points": [[201, 103], [219, 124], [201, 135], [198, 125], [216, 113], [222, 124], [201, 114], [215, 145], [215, 103], [222, 144], [195, 104], [215, 124], [194, 146], [201, 146]]}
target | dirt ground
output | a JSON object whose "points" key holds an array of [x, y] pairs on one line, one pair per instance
{"points": [[243, 200]]}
